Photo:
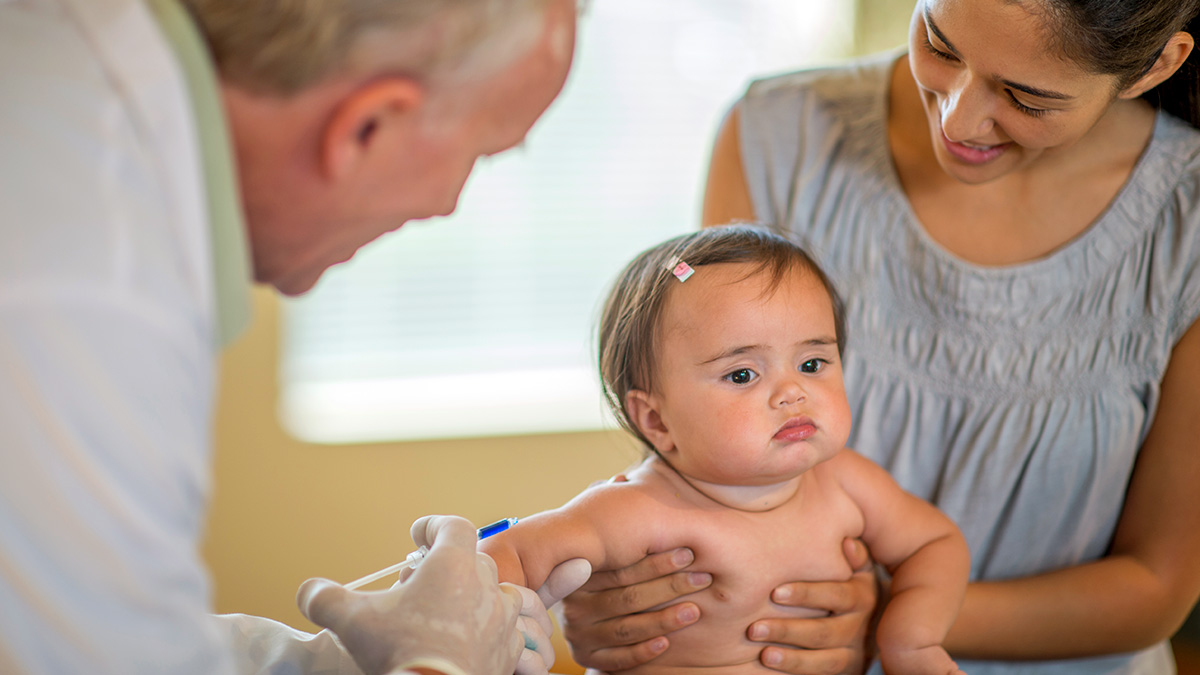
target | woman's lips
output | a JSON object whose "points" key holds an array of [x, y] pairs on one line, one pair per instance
{"points": [[796, 429], [973, 154]]}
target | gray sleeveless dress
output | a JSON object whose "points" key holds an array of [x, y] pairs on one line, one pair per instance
{"points": [[1015, 398]]}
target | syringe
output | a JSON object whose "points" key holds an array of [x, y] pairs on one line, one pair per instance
{"points": [[413, 559]]}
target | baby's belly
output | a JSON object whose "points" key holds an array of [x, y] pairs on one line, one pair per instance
{"points": [[717, 644]]}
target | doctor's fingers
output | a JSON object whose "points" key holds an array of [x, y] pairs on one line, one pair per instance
{"points": [[532, 608], [324, 602], [538, 655], [564, 579], [454, 531]]}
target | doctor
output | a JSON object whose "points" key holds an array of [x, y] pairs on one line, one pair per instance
{"points": [[140, 191]]}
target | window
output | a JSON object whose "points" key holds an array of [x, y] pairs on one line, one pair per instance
{"points": [[481, 323]]}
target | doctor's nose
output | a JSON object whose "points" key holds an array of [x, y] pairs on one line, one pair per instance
{"points": [[966, 112]]}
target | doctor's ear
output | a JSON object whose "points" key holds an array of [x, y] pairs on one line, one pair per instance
{"points": [[643, 411], [367, 121]]}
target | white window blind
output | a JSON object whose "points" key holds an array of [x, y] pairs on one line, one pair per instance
{"points": [[482, 323]]}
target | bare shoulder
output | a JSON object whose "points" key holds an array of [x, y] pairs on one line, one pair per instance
{"points": [[611, 500], [868, 484], [850, 465]]}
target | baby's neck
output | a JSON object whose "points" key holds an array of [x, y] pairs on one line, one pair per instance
{"points": [[741, 497]]}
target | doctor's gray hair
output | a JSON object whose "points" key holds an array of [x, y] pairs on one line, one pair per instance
{"points": [[630, 321], [282, 47]]}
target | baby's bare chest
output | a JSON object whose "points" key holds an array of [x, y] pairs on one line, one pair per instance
{"points": [[750, 554]]}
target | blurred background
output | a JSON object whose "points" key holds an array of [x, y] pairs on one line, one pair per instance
{"points": [[448, 368]]}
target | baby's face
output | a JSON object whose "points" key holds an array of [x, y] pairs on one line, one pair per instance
{"points": [[749, 382]]}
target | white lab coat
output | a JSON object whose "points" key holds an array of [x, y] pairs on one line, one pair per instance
{"points": [[107, 364]]}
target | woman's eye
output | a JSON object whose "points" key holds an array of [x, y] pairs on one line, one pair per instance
{"points": [[743, 376], [812, 366], [1032, 112], [937, 53]]}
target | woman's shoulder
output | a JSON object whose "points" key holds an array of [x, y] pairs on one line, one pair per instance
{"points": [[1166, 186], [851, 81]]}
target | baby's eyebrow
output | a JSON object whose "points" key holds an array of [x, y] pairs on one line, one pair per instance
{"points": [[731, 352], [821, 341]]}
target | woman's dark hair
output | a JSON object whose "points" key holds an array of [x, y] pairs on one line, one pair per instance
{"points": [[1125, 37]]}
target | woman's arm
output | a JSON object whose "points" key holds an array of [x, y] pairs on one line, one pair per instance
{"points": [[726, 198], [1142, 591]]}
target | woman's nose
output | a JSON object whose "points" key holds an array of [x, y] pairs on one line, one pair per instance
{"points": [[966, 110]]}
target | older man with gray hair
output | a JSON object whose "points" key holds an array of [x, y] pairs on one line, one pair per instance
{"points": [[155, 155]]}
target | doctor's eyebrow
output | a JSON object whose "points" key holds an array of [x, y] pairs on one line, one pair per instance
{"points": [[1028, 89]]}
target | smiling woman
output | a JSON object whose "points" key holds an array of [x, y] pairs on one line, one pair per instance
{"points": [[1021, 266], [1015, 230]]}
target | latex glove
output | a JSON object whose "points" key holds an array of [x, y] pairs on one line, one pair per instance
{"points": [[451, 615], [534, 621]]}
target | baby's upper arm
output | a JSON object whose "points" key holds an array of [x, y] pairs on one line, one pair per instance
{"points": [[590, 526], [896, 523]]}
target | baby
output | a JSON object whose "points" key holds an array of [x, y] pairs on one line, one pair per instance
{"points": [[720, 350]]}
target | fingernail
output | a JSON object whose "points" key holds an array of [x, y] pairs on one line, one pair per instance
{"points": [[658, 645], [700, 579], [758, 631], [772, 657], [683, 557], [782, 594], [688, 614]]}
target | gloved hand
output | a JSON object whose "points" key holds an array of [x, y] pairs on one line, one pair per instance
{"points": [[450, 615], [534, 621]]}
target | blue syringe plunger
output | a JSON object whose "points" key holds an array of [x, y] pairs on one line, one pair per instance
{"points": [[413, 559]]}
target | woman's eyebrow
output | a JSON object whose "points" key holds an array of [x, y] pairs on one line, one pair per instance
{"points": [[1031, 90], [933, 28]]}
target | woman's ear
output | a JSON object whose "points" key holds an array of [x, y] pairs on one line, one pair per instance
{"points": [[368, 119], [1170, 60], [644, 413]]}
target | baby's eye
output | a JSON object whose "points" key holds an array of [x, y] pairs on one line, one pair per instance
{"points": [[812, 365], [743, 376]]}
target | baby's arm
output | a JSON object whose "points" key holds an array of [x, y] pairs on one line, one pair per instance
{"points": [[586, 527], [928, 559]]}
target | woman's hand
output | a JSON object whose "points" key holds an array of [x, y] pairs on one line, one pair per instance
{"points": [[605, 633], [604, 621], [833, 644]]}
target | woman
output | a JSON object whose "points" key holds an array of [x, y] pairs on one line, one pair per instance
{"points": [[1012, 212]]}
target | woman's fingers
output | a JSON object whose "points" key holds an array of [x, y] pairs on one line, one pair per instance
{"points": [[813, 662], [648, 568]]}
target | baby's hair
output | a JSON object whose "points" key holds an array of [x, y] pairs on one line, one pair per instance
{"points": [[629, 324]]}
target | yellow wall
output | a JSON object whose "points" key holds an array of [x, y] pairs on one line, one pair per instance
{"points": [[284, 510]]}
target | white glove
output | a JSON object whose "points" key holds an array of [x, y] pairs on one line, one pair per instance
{"points": [[534, 621], [450, 615]]}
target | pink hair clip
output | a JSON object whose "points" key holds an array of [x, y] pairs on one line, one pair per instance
{"points": [[680, 269]]}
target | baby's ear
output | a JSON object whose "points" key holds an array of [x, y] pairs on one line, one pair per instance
{"points": [[643, 411]]}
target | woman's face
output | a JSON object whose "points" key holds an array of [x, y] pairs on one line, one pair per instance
{"points": [[997, 95]]}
